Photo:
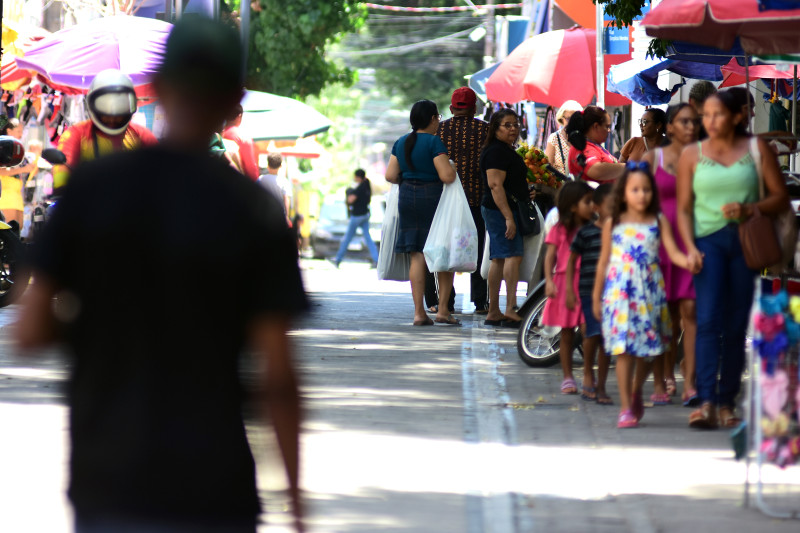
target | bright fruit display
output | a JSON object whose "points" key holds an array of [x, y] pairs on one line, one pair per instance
{"points": [[536, 162]]}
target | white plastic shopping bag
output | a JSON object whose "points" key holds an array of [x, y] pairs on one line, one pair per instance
{"points": [[530, 270], [452, 244], [392, 266]]}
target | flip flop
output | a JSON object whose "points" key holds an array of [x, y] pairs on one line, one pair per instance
{"points": [[497, 323], [585, 394], [660, 399], [426, 322], [671, 386], [449, 321], [604, 400], [627, 420], [690, 398], [508, 323], [568, 386], [433, 309]]}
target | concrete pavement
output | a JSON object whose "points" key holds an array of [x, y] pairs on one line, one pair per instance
{"points": [[437, 429]]}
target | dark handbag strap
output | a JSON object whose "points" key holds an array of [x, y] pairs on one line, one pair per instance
{"points": [[561, 149]]}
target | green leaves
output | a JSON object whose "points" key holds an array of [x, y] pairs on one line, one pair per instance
{"points": [[622, 11], [288, 40]]}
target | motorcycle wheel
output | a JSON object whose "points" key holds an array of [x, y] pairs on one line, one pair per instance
{"points": [[13, 278], [538, 345]]}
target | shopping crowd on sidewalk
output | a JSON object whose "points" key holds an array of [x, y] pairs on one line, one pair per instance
{"points": [[640, 249]]}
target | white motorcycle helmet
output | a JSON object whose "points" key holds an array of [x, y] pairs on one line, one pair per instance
{"points": [[111, 101]]}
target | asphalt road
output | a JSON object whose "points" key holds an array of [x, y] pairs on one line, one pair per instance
{"points": [[437, 429]]}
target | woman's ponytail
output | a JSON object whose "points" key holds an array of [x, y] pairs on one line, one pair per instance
{"points": [[411, 140], [422, 113]]}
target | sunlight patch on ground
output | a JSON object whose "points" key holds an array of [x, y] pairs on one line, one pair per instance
{"points": [[349, 462]]}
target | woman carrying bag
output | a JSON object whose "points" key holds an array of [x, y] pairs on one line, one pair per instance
{"points": [[504, 172], [717, 190], [420, 165]]}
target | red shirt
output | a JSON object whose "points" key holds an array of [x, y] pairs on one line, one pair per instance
{"points": [[594, 154], [78, 145], [247, 151]]}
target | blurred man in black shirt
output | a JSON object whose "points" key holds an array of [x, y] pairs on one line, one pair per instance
{"points": [[158, 441]]}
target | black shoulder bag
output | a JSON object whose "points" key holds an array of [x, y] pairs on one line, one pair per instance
{"points": [[528, 221]]}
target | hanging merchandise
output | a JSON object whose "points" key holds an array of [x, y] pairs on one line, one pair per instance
{"points": [[778, 333]]}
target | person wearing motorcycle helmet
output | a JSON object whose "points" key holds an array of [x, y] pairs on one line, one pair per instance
{"points": [[111, 103]]}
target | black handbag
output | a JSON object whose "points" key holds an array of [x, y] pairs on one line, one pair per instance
{"points": [[527, 221]]}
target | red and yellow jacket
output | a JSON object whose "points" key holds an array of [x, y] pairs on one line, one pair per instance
{"points": [[84, 142]]}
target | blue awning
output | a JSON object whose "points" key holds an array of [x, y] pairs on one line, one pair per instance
{"points": [[683, 51], [637, 79], [477, 82]]}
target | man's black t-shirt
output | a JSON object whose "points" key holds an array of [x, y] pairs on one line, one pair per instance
{"points": [[165, 293], [499, 155], [363, 195]]}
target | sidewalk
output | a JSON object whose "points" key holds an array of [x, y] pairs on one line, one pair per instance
{"points": [[585, 475]]}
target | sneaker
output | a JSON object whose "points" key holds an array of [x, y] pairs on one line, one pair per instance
{"points": [[627, 420]]}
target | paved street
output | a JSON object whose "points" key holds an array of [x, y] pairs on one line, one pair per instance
{"points": [[438, 429]]}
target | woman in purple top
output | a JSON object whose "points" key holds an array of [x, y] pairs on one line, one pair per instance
{"points": [[683, 127]]}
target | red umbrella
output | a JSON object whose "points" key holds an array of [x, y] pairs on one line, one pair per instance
{"points": [[551, 68], [548, 68], [717, 23], [734, 74]]}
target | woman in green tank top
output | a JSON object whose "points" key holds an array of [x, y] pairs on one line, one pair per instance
{"points": [[717, 187]]}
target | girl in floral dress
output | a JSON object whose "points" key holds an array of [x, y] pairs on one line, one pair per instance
{"points": [[629, 295]]}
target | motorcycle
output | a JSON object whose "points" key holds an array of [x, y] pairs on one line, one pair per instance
{"points": [[14, 276], [538, 345]]}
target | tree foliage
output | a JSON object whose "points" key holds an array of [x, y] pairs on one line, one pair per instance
{"points": [[288, 41], [623, 13]]}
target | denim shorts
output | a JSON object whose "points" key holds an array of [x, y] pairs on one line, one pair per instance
{"points": [[499, 246], [593, 327]]}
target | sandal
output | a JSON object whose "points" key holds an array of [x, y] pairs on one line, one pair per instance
{"points": [[704, 418], [660, 399], [627, 420], [426, 322], [604, 399], [568, 386], [588, 394], [450, 321], [727, 418], [671, 386], [433, 309], [690, 398]]}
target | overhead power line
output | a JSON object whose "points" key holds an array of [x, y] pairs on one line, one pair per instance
{"points": [[405, 48], [439, 9]]}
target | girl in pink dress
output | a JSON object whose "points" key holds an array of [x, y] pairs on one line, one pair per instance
{"points": [[682, 130], [574, 210]]}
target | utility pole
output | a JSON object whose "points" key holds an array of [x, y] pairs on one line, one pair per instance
{"points": [[488, 42]]}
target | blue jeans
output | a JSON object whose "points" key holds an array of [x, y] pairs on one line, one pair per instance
{"points": [[724, 295], [360, 221]]}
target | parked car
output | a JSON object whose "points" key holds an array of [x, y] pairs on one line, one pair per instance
{"points": [[331, 226]]}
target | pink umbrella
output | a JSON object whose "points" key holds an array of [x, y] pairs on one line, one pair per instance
{"points": [[735, 74], [717, 23], [548, 68], [74, 55]]}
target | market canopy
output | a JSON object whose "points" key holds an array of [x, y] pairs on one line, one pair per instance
{"points": [[73, 56], [269, 116], [718, 23]]}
